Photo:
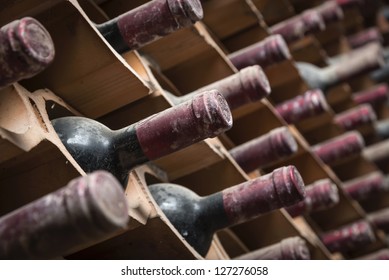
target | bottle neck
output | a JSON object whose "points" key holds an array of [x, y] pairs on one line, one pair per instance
{"points": [[365, 37], [206, 115], [213, 212], [376, 95], [380, 219], [248, 85], [320, 195], [173, 129], [265, 150], [149, 22], [349, 237], [246, 201], [355, 63], [340, 147], [377, 153], [267, 52], [128, 148], [362, 187], [310, 104], [291, 30], [330, 12]]}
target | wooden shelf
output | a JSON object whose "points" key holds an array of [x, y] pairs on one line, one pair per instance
{"points": [[89, 78]]}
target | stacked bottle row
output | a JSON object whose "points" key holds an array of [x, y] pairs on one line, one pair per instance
{"points": [[142, 112]]}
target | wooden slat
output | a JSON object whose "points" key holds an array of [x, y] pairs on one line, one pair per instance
{"points": [[274, 11], [189, 58], [86, 72], [236, 16]]}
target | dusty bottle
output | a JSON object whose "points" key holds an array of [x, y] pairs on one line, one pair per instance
{"points": [[350, 65], [380, 219], [26, 48], [265, 150], [382, 254], [94, 146], [330, 11], [265, 53], [349, 238], [345, 145], [295, 28], [203, 216], [85, 211], [377, 153], [363, 187], [356, 117], [380, 75], [381, 128], [248, 85], [375, 95], [310, 104], [292, 248], [150, 22], [322, 194], [364, 37]]}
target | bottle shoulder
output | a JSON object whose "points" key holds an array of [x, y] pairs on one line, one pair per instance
{"points": [[311, 74], [81, 131], [173, 196]]}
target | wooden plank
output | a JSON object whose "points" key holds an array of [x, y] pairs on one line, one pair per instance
{"points": [[11, 10], [235, 16], [92, 86], [274, 11], [189, 58], [308, 50]]}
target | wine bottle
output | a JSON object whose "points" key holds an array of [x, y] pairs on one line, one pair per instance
{"points": [[380, 75], [382, 254], [291, 248], [377, 153], [364, 186], [295, 28], [265, 150], [265, 53], [364, 37], [320, 195], [350, 65], [356, 117], [94, 146], [203, 216], [248, 85], [86, 211], [375, 95], [311, 103], [381, 128], [380, 219], [349, 238], [330, 11], [149, 22], [343, 146], [26, 48]]}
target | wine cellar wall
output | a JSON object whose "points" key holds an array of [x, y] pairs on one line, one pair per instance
{"points": [[188, 129]]}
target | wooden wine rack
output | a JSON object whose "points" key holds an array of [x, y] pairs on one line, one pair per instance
{"points": [[88, 78]]}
